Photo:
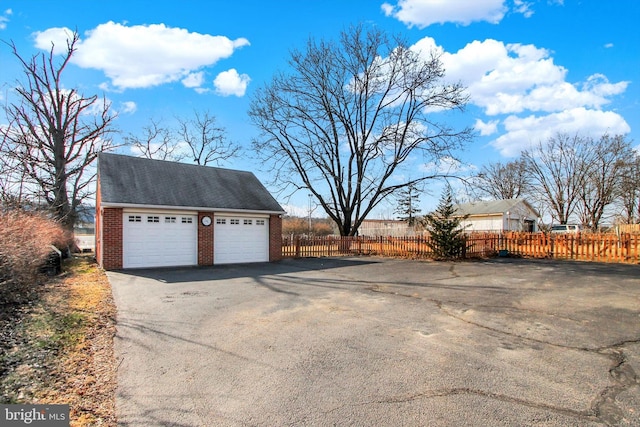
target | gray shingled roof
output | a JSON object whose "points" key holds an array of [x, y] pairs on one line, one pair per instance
{"points": [[138, 181], [485, 207]]}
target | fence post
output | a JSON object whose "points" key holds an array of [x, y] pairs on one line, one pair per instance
{"points": [[464, 246], [297, 246]]}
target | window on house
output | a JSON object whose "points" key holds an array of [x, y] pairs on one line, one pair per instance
{"points": [[247, 222], [171, 219], [187, 220], [153, 219], [221, 221], [234, 221], [259, 221], [135, 218]]}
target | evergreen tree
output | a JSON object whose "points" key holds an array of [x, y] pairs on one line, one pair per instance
{"points": [[447, 236], [408, 200]]}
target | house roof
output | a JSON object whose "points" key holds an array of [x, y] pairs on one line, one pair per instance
{"points": [[488, 207], [135, 181]]}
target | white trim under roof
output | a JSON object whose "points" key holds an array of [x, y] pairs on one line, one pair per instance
{"points": [[186, 208]]}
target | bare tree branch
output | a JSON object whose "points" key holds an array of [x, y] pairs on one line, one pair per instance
{"points": [[629, 189], [605, 172], [155, 142], [348, 118], [55, 133], [503, 181], [558, 170], [206, 140]]}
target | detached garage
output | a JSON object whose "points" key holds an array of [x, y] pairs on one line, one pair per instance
{"points": [[153, 213]]}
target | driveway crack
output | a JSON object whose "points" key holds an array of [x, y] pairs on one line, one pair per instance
{"points": [[430, 394], [604, 407], [623, 377]]}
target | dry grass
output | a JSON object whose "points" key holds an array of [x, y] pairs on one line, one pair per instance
{"points": [[62, 349], [25, 243]]}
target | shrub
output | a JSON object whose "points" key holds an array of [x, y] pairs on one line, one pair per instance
{"points": [[447, 236], [25, 244]]}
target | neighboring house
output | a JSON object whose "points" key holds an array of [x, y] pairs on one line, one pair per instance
{"points": [[154, 213], [498, 215]]}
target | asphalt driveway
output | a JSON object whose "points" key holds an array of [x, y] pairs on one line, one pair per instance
{"points": [[379, 342]]}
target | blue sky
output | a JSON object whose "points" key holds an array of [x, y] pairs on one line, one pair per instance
{"points": [[532, 68]]}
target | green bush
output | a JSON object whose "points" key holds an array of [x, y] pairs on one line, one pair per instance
{"points": [[448, 240]]}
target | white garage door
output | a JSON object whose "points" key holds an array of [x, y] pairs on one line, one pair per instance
{"points": [[240, 239], [159, 240]]}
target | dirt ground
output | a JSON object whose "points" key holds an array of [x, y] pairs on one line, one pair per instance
{"points": [[56, 343]]}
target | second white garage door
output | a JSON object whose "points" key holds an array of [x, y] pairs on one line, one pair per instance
{"points": [[240, 239]]}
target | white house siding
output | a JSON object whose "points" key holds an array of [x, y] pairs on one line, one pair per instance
{"points": [[498, 215], [488, 223]]}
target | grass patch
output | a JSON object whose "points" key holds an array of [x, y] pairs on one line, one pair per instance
{"points": [[57, 346], [58, 331]]}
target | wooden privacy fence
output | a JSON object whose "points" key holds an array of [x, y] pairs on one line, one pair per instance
{"points": [[623, 248]]}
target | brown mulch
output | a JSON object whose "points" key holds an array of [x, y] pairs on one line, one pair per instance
{"points": [[56, 344]]}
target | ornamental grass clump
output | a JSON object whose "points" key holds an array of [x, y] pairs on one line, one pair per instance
{"points": [[25, 244]]}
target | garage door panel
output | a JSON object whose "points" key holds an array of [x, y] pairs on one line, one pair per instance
{"points": [[164, 241], [239, 239]]}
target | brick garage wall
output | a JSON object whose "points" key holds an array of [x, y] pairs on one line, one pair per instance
{"points": [[275, 238], [205, 241], [111, 238], [98, 224]]}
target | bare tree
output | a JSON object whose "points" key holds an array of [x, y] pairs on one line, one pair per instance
{"points": [[349, 116], [558, 170], [605, 169], [629, 189], [12, 176], [155, 142], [206, 140], [55, 133], [503, 181]]}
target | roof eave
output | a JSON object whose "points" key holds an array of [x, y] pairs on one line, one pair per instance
{"points": [[188, 208]]}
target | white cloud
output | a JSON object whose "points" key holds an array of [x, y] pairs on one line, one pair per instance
{"points": [[523, 7], [499, 76], [527, 93], [142, 56], [522, 132], [486, 128], [444, 166], [422, 13], [608, 45], [598, 84], [4, 18], [231, 83], [56, 37], [194, 80], [129, 107]]}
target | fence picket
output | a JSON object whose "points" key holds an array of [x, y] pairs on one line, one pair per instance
{"points": [[622, 248]]}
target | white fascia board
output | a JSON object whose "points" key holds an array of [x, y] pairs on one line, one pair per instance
{"points": [[469, 216], [186, 208]]}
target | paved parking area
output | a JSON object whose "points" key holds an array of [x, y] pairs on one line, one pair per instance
{"points": [[380, 342]]}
